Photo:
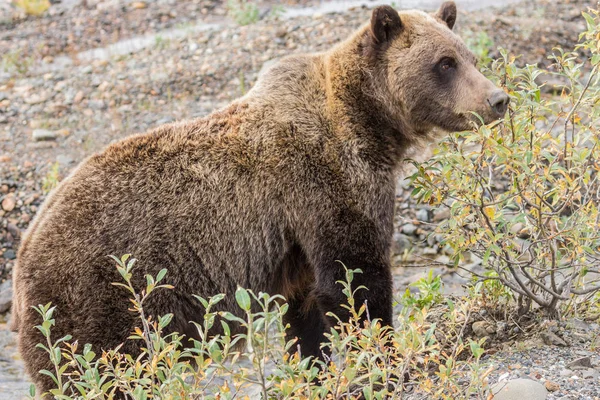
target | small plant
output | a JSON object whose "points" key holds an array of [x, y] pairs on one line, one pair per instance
{"points": [[33, 7], [242, 79], [243, 12], [250, 356], [430, 293], [277, 11], [15, 61], [50, 181], [523, 194]]}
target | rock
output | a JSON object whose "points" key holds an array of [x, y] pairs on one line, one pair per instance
{"points": [[423, 215], [138, 5], [64, 159], [400, 243], [6, 294], [409, 229], [39, 135], [551, 339], [13, 230], [590, 373], [430, 251], [566, 373], [551, 386], [580, 363], [483, 328], [9, 202], [524, 233], [516, 228], [97, 104], [441, 214], [9, 254], [519, 389], [78, 97]]}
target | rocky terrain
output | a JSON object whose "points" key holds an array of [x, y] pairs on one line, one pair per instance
{"points": [[89, 72]]}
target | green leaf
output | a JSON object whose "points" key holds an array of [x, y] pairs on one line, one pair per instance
{"points": [[243, 298], [161, 274]]}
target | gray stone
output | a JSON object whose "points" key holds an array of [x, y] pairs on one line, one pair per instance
{"points": [[40, 135], [519, 389], [580, 363], [566, 373], [3, 96], [6, 294], [64, 159], [441, 214], [97, 104], [400, 243], [409, 229], [423, 215], [590, 373], [551, 339], [430, 251], [9, 254]]}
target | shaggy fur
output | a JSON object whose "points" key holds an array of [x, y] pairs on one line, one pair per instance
{"points": [[267, 193]]}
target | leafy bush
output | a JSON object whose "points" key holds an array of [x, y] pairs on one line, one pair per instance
{"points": [[523, 194], [366, 358]]}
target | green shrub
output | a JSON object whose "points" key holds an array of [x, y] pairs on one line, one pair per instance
{"points": [[33, 7], [243, 12], [366, 358], [524, 193]]}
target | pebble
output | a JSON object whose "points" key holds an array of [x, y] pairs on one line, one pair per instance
{"points": [[9, 254], [519, 389], [580, 363], [483, 328], [6, 294], [590, 373], [423, 215], [400, 243], [441, 214], [409, 229], [551, 386], [552, 339], [40, 135], [9, 202], [64, 159]]}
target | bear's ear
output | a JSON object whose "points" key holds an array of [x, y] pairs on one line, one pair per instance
{"points": [[447, 13], [385, 24]]}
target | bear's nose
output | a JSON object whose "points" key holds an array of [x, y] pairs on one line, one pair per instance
{"points": [[499, 102]]}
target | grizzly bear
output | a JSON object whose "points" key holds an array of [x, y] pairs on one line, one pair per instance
{"points": [[276, 192]]}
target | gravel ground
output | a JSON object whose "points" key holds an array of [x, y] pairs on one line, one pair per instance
{"points": [[91, 72]]}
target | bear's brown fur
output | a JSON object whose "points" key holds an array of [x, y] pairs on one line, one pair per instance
{"points": [[267, 193]]}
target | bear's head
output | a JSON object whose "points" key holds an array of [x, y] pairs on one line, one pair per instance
{"points": [[424, 75]]}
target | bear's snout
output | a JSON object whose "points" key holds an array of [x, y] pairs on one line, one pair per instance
{"points": [[498, 101]]}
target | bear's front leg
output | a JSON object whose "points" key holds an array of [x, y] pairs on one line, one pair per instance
{"points": [[353, 241]]}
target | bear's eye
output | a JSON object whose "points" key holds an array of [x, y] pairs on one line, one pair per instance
{"points": [[447, 63]]}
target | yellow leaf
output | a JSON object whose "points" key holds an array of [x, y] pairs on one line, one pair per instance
{"points": [[33, 7], [489, 211]]}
